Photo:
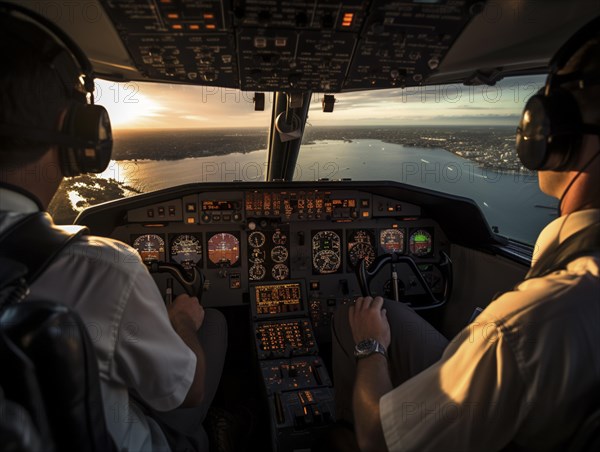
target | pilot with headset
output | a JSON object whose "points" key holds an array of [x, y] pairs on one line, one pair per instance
{"points": [[526, 371], [50, 128]]}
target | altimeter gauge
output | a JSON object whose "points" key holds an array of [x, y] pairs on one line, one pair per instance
{"points": [[360, 246], [186, 250]]}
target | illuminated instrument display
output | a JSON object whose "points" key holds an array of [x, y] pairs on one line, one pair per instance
{"points": [[279, 238], [279, 254], [257, 272], [256, 239], [218, 205], [273, 299], [326, 249], [360, 246], [280, 272], [151, 247], [186, 250], [420, 243], [392, 240], [223, 249]]}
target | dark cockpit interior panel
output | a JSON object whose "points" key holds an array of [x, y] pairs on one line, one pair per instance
{"points": [[259, 45]]}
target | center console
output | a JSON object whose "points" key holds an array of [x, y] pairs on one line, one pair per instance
{"points": [[298, 388]]}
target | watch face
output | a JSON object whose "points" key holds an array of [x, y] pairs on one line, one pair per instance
{"points": [[365, 347]]}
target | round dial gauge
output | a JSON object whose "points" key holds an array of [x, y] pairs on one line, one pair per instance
{"points": [[360, 246], [257, 256], [420, 243], [279, 254], [186, 250], [326, 246], [223, 248], [361, 250], [279, 238], [257, 272], [151, 247], [280, 271], [256, 239], [392, 240]]}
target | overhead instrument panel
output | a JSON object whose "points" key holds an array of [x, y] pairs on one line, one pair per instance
{"points": [[326, 252], [151, 247], [223, 249], [260, 45]]}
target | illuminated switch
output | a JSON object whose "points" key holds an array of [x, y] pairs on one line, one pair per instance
{"points": [[260, 42], [161, 211], [190, 207], [171, 211], [150, 213], [280, 42], [191, 220]]}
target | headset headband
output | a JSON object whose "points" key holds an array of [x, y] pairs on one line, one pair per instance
{"points": [[78, 56], [574, 43]]}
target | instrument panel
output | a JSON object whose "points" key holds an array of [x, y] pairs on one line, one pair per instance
{"points": [[239, 238]]}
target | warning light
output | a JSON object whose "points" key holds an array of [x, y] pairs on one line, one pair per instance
{"points": [[365, 214], [191, 220], [194, 27], [211, 26], [177, 27], [173, 16], [347, 20], [208, 15], [165, 1]]}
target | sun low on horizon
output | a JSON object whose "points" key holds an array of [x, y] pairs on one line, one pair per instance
{"points": [[146, 105]]}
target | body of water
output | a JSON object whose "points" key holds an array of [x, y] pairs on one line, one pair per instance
{"points": [[512, 202]]}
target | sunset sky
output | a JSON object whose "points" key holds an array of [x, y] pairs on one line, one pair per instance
{"points": [[139, 105]]}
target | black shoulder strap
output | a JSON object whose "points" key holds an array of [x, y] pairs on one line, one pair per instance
{"points": [[35, 241], [582, 243]]}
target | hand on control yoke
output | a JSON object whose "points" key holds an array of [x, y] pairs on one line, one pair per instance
{"points": [[368, 321], [186, 311]]}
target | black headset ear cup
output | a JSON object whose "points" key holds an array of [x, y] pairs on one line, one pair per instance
{"points": [[549, 131], [90, 128]]}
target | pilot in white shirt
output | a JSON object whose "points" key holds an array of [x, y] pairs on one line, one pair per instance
{"points": [[107, 284]]}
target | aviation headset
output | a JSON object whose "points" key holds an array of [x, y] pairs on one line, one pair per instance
{"points": [[85, 137], [551, 127]]}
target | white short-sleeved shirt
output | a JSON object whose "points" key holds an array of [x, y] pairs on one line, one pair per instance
{"points": [[525, 370], [107, 284]]}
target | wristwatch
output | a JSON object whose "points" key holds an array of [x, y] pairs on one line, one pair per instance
{"points": [[367, 347]]}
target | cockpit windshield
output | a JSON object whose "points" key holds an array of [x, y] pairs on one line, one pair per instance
{"points": [[450, 138]]}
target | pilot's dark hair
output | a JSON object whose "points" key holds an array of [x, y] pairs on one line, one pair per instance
{"points": [[31, 95]]}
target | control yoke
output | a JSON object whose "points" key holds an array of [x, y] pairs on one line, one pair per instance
{"points": [[365, 275], [192, 281]]}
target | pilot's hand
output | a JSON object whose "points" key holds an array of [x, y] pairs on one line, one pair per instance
{"points": [[186, 311], [368, 321]]}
